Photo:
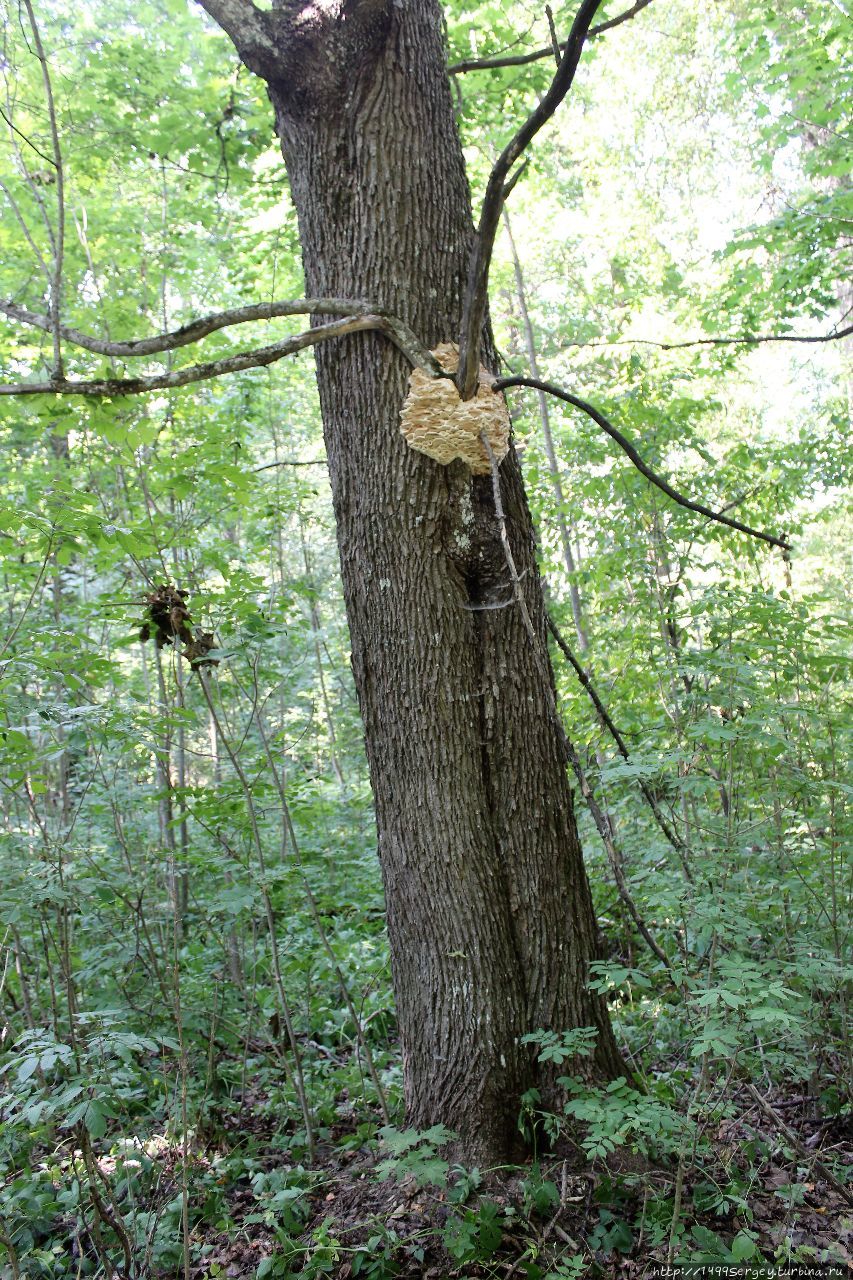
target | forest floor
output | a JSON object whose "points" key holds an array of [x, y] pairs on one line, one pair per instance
{"points": [[602, 1221]]}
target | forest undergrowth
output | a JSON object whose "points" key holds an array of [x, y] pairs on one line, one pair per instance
{"points": [[153, 1117]]}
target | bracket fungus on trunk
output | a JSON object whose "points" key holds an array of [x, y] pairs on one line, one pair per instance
{"points": [[434, 419]]}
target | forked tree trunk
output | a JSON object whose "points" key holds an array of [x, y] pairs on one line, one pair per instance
{"points": [[489, 912]]}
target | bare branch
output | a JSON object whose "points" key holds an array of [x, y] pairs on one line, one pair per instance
{"points": [[13, 128], [474, 305], [291, 462], [552, 30], [42, 571], [59, 234], [255, 359], [600, 819], [502, 384], [537, 55], [403, 337], [28, 236], [513, 179], [607, 723], [739, 341], [34, 184], [523, 59], [600, 28]]}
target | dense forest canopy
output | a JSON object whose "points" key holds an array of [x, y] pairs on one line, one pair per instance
{"points": [[226, 620]]}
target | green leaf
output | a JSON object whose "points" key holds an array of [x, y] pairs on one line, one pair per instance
{"points": [[28, 1067], [743, 1247], [95, 1120]]}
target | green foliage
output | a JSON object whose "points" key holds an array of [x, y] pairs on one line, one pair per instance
{"points": [[611, 1116], [569, 1268], [697, 184], [618, 1115], [707, 1247], [378, 1261], [578, 1042], [541, 1195], [475, 1235], [415, 1155]]}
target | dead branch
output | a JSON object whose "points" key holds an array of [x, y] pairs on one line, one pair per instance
{"points": [[502, 384], [13, 128], [736, 341], [607, 723], [476, 290], [27, 234], [291, 462], [256, 358]]}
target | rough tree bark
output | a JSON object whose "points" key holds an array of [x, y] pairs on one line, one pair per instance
{"points": [[489, 911]]}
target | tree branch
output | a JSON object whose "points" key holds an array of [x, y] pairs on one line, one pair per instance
{"points": [[28, 235], [606, 723], [291, 462], [502, 384], [251, 31], [403, 336], [255, 359], [13, 128], [834, 336], [523, 59], [474, 305]]}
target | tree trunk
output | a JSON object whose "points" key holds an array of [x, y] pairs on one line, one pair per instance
{"points": [[490, 916]]}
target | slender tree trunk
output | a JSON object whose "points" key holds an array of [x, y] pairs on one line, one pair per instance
{"points": [[489, 910], [182, 874], [548, 439], [316, 630], [235, 958]]}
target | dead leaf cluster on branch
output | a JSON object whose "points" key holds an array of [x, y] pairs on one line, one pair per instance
{"points": [[167, 621]]}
